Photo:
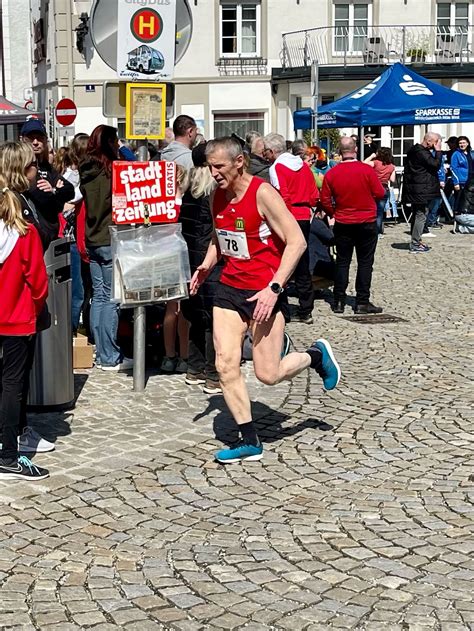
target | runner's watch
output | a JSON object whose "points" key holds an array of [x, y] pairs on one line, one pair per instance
{"points": [[276, 288]]}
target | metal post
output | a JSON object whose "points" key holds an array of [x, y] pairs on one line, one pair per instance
{"points": [[314, 100], [2, 51], [139, 316], [139, 330], [361, 143]]}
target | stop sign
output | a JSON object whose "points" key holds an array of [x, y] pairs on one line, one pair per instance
{"points": [[66, 112]]}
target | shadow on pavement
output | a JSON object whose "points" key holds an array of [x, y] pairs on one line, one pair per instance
{"points": [[268, 422], [51, 424], [400, 246]]}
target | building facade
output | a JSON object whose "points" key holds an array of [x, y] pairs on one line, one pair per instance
{"points": [[15, 67], [248, 64], [355, 42], [16, 51]]}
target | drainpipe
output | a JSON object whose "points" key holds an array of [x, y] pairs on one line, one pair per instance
{"points": [[70, 62], [4, 89]]}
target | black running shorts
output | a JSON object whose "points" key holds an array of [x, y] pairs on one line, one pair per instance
{"points": [[227, 297]]}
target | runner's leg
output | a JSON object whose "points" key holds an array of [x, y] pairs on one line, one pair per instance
{"points": [[229, 331], [270, 368], [267, 343]]}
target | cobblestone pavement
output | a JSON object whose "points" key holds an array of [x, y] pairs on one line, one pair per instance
{"points": [[360, 515]]}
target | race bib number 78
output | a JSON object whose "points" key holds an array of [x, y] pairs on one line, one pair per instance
{"points": [[232, 243]]}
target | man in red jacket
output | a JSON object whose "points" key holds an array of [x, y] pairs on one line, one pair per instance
{"points": [[349, 192], [295, 181]]}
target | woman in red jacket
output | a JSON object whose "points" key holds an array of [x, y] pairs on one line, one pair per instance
{"points": [[23, 290]]}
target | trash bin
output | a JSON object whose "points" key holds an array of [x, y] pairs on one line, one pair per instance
{"points": [[52, 378]]}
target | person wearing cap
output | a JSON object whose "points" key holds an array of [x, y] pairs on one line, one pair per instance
{"points": [[50, 191]]}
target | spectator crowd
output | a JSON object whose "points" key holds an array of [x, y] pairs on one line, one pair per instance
{"points": [[338, 204]]}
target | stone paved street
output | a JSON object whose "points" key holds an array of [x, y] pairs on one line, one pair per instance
{"points": [[360, 515]]}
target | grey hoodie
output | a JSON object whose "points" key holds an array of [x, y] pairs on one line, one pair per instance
{"points": [[179, 153], [8, 239]]}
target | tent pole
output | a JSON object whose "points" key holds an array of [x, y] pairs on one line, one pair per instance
{"points": [[2, 51], [361, 143], [314, 100]]}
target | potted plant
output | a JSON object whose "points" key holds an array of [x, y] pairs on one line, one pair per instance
{"points": [[417, 54]]}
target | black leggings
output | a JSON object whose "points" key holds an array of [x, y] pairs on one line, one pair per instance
{"points": [[14, 367]]}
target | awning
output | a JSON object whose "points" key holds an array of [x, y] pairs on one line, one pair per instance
{"points": [[398, 96], [11, 114]]}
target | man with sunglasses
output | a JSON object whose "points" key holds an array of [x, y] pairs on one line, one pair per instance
{"points": [[50, 191]]}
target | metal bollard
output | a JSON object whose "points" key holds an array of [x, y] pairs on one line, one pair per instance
{"points": [[139, 324]]}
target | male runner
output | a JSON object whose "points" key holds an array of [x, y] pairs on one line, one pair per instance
{"points": [[261, 244]]}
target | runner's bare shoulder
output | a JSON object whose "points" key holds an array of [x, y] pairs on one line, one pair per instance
{"points": [[269, 199]]}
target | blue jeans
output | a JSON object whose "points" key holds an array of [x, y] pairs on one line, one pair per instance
{"points": [[104, 314], [381, 203], [77, 298], [392, 203], [433, 208], [458, 198]]}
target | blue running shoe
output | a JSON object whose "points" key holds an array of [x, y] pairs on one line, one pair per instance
{"points": [[238, 453], [329, 370]]}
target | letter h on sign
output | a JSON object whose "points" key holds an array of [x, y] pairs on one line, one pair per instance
{"points": [[142, 25]]}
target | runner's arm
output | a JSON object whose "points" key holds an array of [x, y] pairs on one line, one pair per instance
{"points": [[273, 209]]}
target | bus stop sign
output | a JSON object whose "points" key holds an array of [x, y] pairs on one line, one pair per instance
{"points": [[104, 26], [146, 25], [146, 41]]}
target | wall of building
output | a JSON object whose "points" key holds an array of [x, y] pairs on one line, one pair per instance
{"points": [[66, 73], [16, 50], [404, 12], [203, 88]]}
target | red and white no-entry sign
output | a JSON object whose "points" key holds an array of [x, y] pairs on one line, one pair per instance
{"points": [[66, 112]]}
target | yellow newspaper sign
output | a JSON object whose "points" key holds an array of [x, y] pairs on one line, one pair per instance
{"points": [[145, 114]]}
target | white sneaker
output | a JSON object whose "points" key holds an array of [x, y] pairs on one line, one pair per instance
{"points": [[31, 442], [126, 364], [429, 235]]}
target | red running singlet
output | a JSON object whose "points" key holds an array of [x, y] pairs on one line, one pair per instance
{"points": [[251, 251]]}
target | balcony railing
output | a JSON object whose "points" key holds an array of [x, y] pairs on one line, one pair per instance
{"points": [[242, 66], [378, 45]]}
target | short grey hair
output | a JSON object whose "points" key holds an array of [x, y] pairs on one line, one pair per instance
{"points": [[299, 147], [252, 136], [431, 135], [275, 142], [231, 146]]}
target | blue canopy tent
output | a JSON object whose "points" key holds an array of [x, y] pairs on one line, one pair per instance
{"points": [[398, 96]]}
